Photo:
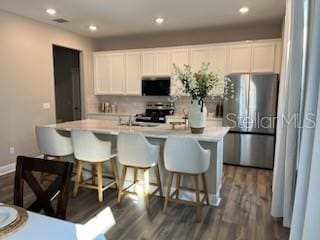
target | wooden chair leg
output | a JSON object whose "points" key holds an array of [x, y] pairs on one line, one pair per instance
{"points": [[177, 185], [146, 188], [93, 173], [198, 207], [157, 172], [205, 188], [99, 179], [78, 177], [168, 192], [121, 182], [114, 172]]}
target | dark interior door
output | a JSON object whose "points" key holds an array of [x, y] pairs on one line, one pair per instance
{"points": [[67, 84]]}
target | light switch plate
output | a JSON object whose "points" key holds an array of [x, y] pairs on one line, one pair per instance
{"points": [[46, 106]]}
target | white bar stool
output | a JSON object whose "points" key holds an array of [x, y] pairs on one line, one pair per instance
{"points": [[134, 151], [52, 144], [185, 156], [88, 148]]}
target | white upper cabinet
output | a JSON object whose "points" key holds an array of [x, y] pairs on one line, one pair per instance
{"points": [[117, 73], [239, 58], [218, 61], [198, 56], [156, 63], [133, 73], [179, 57], [263, 57], [278, 56], [102, 83]]}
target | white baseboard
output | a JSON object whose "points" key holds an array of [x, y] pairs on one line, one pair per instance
{"points": [[9, 168]]}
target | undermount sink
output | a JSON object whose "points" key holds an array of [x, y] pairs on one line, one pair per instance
{"points": [[138, 124]]}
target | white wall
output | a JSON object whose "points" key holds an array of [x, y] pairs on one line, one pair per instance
{"points": [[27, 79]]}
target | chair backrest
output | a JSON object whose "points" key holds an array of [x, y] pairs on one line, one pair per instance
{"points": [[52, 143], [88, 147], [135, 150], [60, 187], [184, 154]]}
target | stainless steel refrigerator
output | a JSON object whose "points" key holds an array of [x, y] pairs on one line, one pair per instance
{"points": [[251, 114]]}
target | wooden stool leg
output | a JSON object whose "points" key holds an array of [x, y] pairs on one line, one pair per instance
{"points": [[78, 177], [42, 175], [168, 192], [93, 173], [135, 175], [121, 182], [114, 172], [177, 185], [99, 179], [146, 188], [157, 171], [205, 188], [198, 207]]}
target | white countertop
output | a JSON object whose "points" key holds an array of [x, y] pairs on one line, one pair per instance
{"points": [[162, 131]]}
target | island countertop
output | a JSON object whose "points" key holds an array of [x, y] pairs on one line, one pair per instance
{"points": [[162, 131]]}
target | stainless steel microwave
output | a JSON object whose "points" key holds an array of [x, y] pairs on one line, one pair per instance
{"points": [[156, 86]]}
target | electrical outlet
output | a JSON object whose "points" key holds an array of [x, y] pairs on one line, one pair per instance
{"points": [[46, 105], [11, 150]]}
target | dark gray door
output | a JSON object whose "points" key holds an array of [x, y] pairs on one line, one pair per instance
{"points": [[262, 103], [249, 150], [235, 111]]}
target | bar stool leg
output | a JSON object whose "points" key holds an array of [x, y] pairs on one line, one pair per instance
{"points": [[114, 172], [204, 182], [157, 171], [93, 173], [146, 187], [135, 175], [42, 175], [177, 185], [78, 177], [198, 207], [168, 192], [121, 182], [99, 179]]}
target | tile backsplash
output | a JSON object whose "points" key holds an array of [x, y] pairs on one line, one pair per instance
{"points": [[136, 104]]}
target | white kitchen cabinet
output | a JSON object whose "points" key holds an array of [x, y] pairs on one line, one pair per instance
{"points": [[156, 63], [133, 73], [263, 57], [198, 56], [118, 75], [179, 57], [239, 58], [102, 82], [278, 56], [218, 61]]}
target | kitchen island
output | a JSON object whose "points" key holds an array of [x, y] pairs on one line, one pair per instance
{"points": [[212, 139]]}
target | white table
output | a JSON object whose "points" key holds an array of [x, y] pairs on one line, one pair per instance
{"points": [[40, 227]]}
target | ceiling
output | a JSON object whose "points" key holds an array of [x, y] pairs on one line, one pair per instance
{"points": [[125, 17]]}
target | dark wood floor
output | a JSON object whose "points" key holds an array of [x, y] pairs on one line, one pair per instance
{"points": [[244, 213]]}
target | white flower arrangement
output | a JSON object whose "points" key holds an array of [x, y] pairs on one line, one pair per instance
{"points": [[201, 84]]}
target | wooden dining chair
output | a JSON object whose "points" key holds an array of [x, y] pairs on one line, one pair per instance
{"points": [[59, 188]]}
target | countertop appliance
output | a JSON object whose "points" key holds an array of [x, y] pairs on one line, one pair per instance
{"points": [[251, 114], [156, 86], [156, 112]]}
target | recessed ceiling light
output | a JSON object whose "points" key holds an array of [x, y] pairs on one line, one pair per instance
{"points": [[93, 27], [159, 20], [51, 11], [244, 10]]}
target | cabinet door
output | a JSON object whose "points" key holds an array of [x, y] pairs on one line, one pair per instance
{"points": [[179, 57], [102, 80], [133, 73], [239, 58], [218, 61], [162, 63], [117, 73], [148, 63], [198, 56], [278, 56], [263, 57]]}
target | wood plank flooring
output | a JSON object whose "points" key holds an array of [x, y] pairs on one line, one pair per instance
{"points": [[244, 213]]}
